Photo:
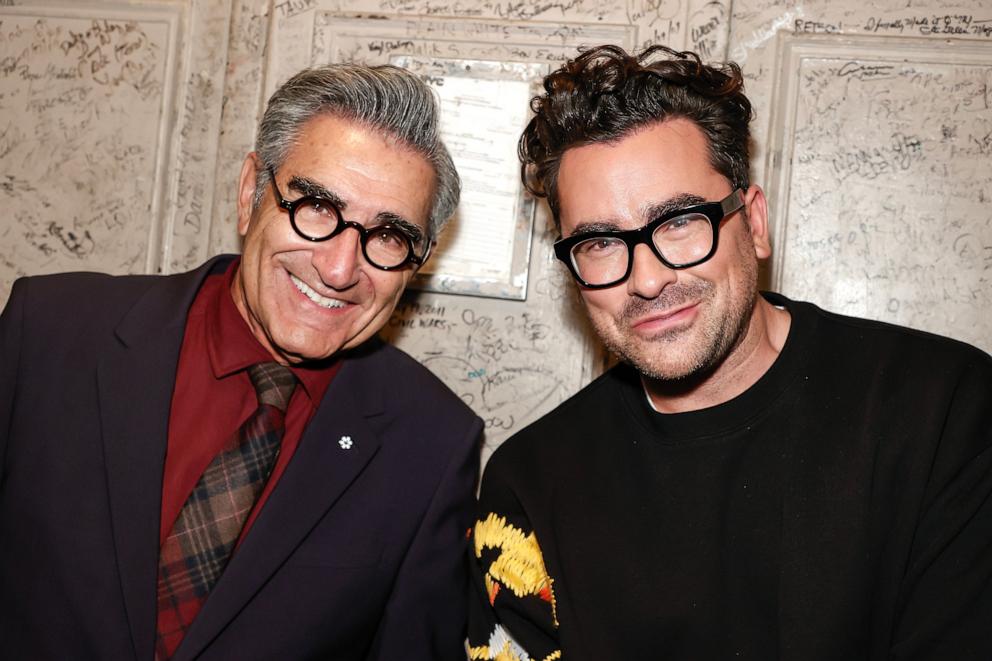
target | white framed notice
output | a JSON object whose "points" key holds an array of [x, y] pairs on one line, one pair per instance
{"points": [[485, 249]]}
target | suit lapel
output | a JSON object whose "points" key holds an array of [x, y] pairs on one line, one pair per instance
{"points": [[319, 472], [135, 379]]}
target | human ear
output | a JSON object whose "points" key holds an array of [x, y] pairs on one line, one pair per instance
{"points": [[756, 207], [246, 191]]}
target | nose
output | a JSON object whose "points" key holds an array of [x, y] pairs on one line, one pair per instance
{"points": [[338, 260], [648, 276]]}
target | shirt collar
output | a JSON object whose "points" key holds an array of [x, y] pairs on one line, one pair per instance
{"points": [[231, 346]]}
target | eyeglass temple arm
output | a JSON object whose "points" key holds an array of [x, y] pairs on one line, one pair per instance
{"points": [[733, 202], [422, 259]]}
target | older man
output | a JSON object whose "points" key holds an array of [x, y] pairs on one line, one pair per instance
{"points": [[226, 463], [758, 478]]}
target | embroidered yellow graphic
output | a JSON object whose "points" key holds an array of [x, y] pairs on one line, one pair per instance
{"points": [[520, 565]]}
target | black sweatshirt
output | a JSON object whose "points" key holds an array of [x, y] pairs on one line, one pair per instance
{"points": [[840, 508]]}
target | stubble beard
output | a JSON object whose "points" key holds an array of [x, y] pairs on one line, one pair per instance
{"points": [[682, 353]]}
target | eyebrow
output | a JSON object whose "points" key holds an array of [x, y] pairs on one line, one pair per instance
{"points": [[651, 212], [680, 201], [307, 187], [413, 231]]}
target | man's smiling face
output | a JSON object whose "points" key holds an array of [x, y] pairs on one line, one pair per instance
{"points": [[307, 300], [668, 323]]}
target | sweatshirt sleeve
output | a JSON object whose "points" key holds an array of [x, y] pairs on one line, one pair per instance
{"points": [[512, 612]]}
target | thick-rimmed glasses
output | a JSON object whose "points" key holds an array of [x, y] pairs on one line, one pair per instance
{"points": [[680, 238], [387, 246]]}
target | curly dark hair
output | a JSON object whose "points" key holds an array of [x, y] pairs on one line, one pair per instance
{"points": [[604, 94]]}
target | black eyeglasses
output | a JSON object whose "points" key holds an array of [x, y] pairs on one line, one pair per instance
{"points": [[387, 246], [680, 238]]}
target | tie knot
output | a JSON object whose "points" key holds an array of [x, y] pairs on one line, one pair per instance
{"points": [[273, 383]]}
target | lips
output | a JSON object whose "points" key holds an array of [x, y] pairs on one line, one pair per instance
{"points": [[322, 301], [665, 319]]}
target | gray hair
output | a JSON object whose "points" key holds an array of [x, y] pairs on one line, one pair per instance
{"points": [[384, 97]]}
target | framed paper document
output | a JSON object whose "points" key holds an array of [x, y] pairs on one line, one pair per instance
{"points": [[485, 249]]}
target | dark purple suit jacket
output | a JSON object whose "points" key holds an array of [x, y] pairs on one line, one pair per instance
{"points": [[358, 554]]}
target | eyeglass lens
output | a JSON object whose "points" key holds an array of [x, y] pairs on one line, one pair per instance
{"points": [[682, 240]]}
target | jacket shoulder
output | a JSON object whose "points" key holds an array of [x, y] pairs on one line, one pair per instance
{"points": [[82, 282], [80, 296], [411, 381], [101, 300], [414, 396]]}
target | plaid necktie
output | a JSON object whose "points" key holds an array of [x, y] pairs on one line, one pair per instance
{"points": [[195, 553]]}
